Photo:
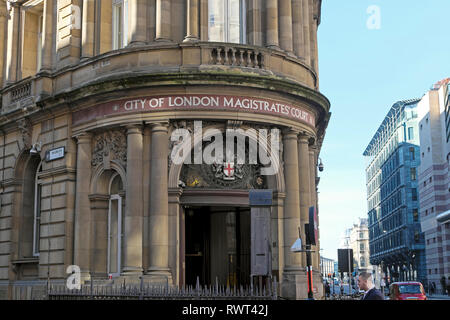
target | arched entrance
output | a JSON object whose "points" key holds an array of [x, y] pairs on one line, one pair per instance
{"points": [[215, 219]]}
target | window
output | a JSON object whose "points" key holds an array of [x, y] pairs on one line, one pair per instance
{"points": [[32, 30], [413, 174], [411, 133], [414, 194], [416, 215], [120, 22], [362, 262], [227, 21], [412, 154], [115, 226], [37, 213]]}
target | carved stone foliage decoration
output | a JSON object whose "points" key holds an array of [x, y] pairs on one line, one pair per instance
{"points": [[109, 146], [26, 130]]}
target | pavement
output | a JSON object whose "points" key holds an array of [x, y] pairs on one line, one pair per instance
{"points": [[438, 297]]}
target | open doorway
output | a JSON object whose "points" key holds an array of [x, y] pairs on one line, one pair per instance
{"points": [[217, 245]]}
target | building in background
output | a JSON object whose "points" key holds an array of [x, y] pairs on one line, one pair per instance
{"points": [[392, 160], [359, 242], [326, 267], [357, 238], [434, 179]]}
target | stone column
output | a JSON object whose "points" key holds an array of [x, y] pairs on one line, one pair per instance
{"points": [[83, 227], [12, 46], [204, 20], [293, 274], [292, 201], [47, 35], [306, 34], [286, 25], [3, 23], [88, 29], [163, 25], [304, 184], [147, 158], [272, 23], [192, 33], [254, 23], [159, 208], [132, 256], [138, 22], [313, 37], [297, 27]]}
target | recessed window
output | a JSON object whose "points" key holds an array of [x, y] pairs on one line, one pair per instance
{"points": [[412, 153], [120, 23], [411, 133], [413, 174], [416, 215], [414, 194], [227, 21]]}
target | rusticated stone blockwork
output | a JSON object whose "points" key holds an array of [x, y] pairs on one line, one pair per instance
{"points": [[93, 92]]}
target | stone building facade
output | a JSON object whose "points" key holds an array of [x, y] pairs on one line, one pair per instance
{"points": [[434, 180], [91, 94]]}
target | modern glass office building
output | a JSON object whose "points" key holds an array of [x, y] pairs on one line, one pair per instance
{"points": [[392, 161]]}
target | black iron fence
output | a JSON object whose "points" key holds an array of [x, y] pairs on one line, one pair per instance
{"points": [[149, 292]]}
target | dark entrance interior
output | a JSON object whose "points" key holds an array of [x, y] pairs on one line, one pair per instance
{"points": [[217, 245]]}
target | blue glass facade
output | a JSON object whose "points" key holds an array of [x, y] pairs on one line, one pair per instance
{"points": [[393, 157]]}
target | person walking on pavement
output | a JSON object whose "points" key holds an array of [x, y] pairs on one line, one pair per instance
{"points": [[365, 282], [448, 286], [327, 290], [444, 286]]}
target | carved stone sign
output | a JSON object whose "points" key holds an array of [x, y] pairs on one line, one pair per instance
{"points": [[195, 102]]}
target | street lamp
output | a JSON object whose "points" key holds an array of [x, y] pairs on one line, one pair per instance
{"points": [[321, 166]]}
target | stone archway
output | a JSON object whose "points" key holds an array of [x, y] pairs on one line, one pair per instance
{"points": [[25, 233], [101, 198], [180, 197]]}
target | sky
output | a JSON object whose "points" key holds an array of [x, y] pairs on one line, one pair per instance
{"points": [[363, 71]]}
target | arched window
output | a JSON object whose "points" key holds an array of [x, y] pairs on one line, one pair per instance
{"points": [[30, 212], [37, 213], [226, 19]]}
